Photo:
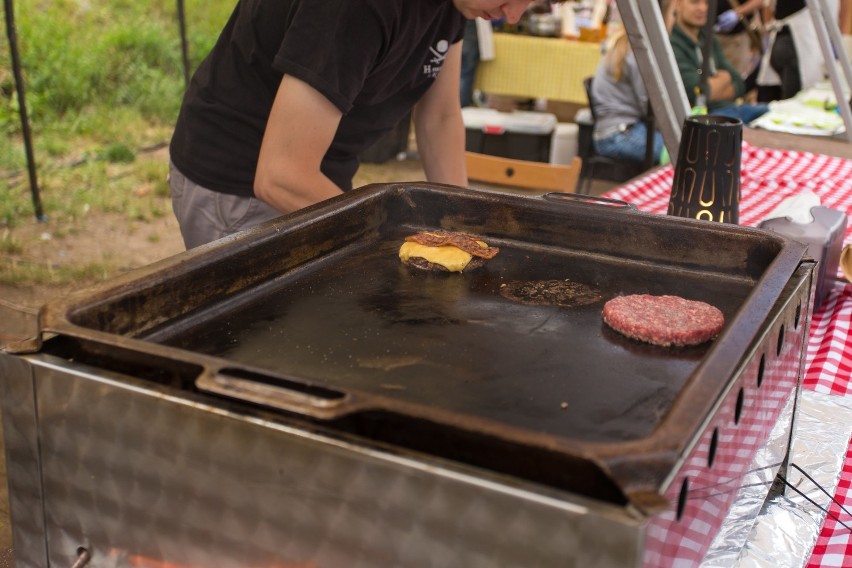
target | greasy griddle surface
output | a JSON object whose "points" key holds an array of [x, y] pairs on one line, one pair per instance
{"points": [[360, 319]]}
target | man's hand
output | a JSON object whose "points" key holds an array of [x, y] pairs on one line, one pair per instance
{"points": [[726, 21], [721, 86]]}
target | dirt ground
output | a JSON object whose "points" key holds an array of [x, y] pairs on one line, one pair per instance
{"points": [[123, 243]]}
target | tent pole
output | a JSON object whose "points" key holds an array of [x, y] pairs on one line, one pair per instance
{"points": [[22, 107], [183, 41]]}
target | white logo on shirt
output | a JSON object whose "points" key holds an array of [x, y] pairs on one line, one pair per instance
{"points": [[439, 53]]}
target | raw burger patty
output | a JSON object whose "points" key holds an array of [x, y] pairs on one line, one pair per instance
{"points": [[663, 320]]}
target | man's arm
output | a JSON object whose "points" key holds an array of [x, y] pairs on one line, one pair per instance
{"points": [[729, 19], [747, 8], [734, 86], [300, 130], [721, 87], [438, 125]]}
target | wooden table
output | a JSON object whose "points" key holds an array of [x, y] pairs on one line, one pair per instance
{"points": [[828, 145], [538, 67]]}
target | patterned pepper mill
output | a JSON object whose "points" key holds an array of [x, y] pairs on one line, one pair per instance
{"points": [[707, 173]]}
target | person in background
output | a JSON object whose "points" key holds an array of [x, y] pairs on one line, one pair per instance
{"points": [[731, 29], [783, 56], [725, 85], [794, 59], [782, 74], [469, 63], [621, 100], [276, 115]]}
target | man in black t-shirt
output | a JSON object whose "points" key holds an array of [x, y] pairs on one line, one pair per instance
{"points": [[276, 115]]}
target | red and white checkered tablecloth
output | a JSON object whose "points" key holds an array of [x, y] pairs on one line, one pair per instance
{"points": [[768, 177]]}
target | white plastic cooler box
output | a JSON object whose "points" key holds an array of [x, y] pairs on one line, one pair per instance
{"points": [[522, 135]]}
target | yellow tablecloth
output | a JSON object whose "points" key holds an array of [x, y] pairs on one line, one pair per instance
{"points": [[537, 67]]}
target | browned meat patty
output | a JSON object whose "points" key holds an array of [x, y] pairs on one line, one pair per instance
{"points": [[563, 293], [464, 241], [663, 320], [423, 264]]}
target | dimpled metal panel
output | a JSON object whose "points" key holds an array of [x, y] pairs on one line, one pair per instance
{"points": [[20, 435], [757, 409], [132, 474]]}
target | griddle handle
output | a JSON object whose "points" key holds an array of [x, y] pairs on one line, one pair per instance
{"points": [[589, 199], [275, 392]]}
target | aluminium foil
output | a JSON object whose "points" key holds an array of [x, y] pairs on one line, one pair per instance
{"points": [[785, 530]]}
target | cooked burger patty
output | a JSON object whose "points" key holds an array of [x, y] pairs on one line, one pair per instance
{"points": [[663, 320], [471, 244], [445, 251], [423, 264]]}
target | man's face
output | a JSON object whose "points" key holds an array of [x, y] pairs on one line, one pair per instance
{"points": [[511, 10], [691, 13]]}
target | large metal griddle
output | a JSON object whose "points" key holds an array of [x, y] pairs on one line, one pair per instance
{"points": [[315, 316]]}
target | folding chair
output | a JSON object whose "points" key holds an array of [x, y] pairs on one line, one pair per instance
{"points": [[610, 168]]}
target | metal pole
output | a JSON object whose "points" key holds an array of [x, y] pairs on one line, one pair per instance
{"points": [[22, 107], [183, 43], [830, 42], [707, 50], [649, 40]]}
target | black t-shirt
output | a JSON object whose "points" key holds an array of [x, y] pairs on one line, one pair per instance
{"points": [[373, 59], [785, 8]]}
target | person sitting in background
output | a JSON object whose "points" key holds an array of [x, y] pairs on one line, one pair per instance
{"points": [[620, 104], [725, 85], [621, 100]]}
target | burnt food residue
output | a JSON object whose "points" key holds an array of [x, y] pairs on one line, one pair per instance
{"points": [[563, 293]]}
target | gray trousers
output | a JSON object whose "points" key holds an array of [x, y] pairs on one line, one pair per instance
{"points": [[205, 215]]}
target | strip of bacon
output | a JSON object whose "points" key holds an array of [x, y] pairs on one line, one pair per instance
{"points": [[471, 244]]}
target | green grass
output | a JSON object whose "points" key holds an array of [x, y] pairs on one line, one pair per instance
{"points": [[17, 273], [9, 245], [103, 78]]}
